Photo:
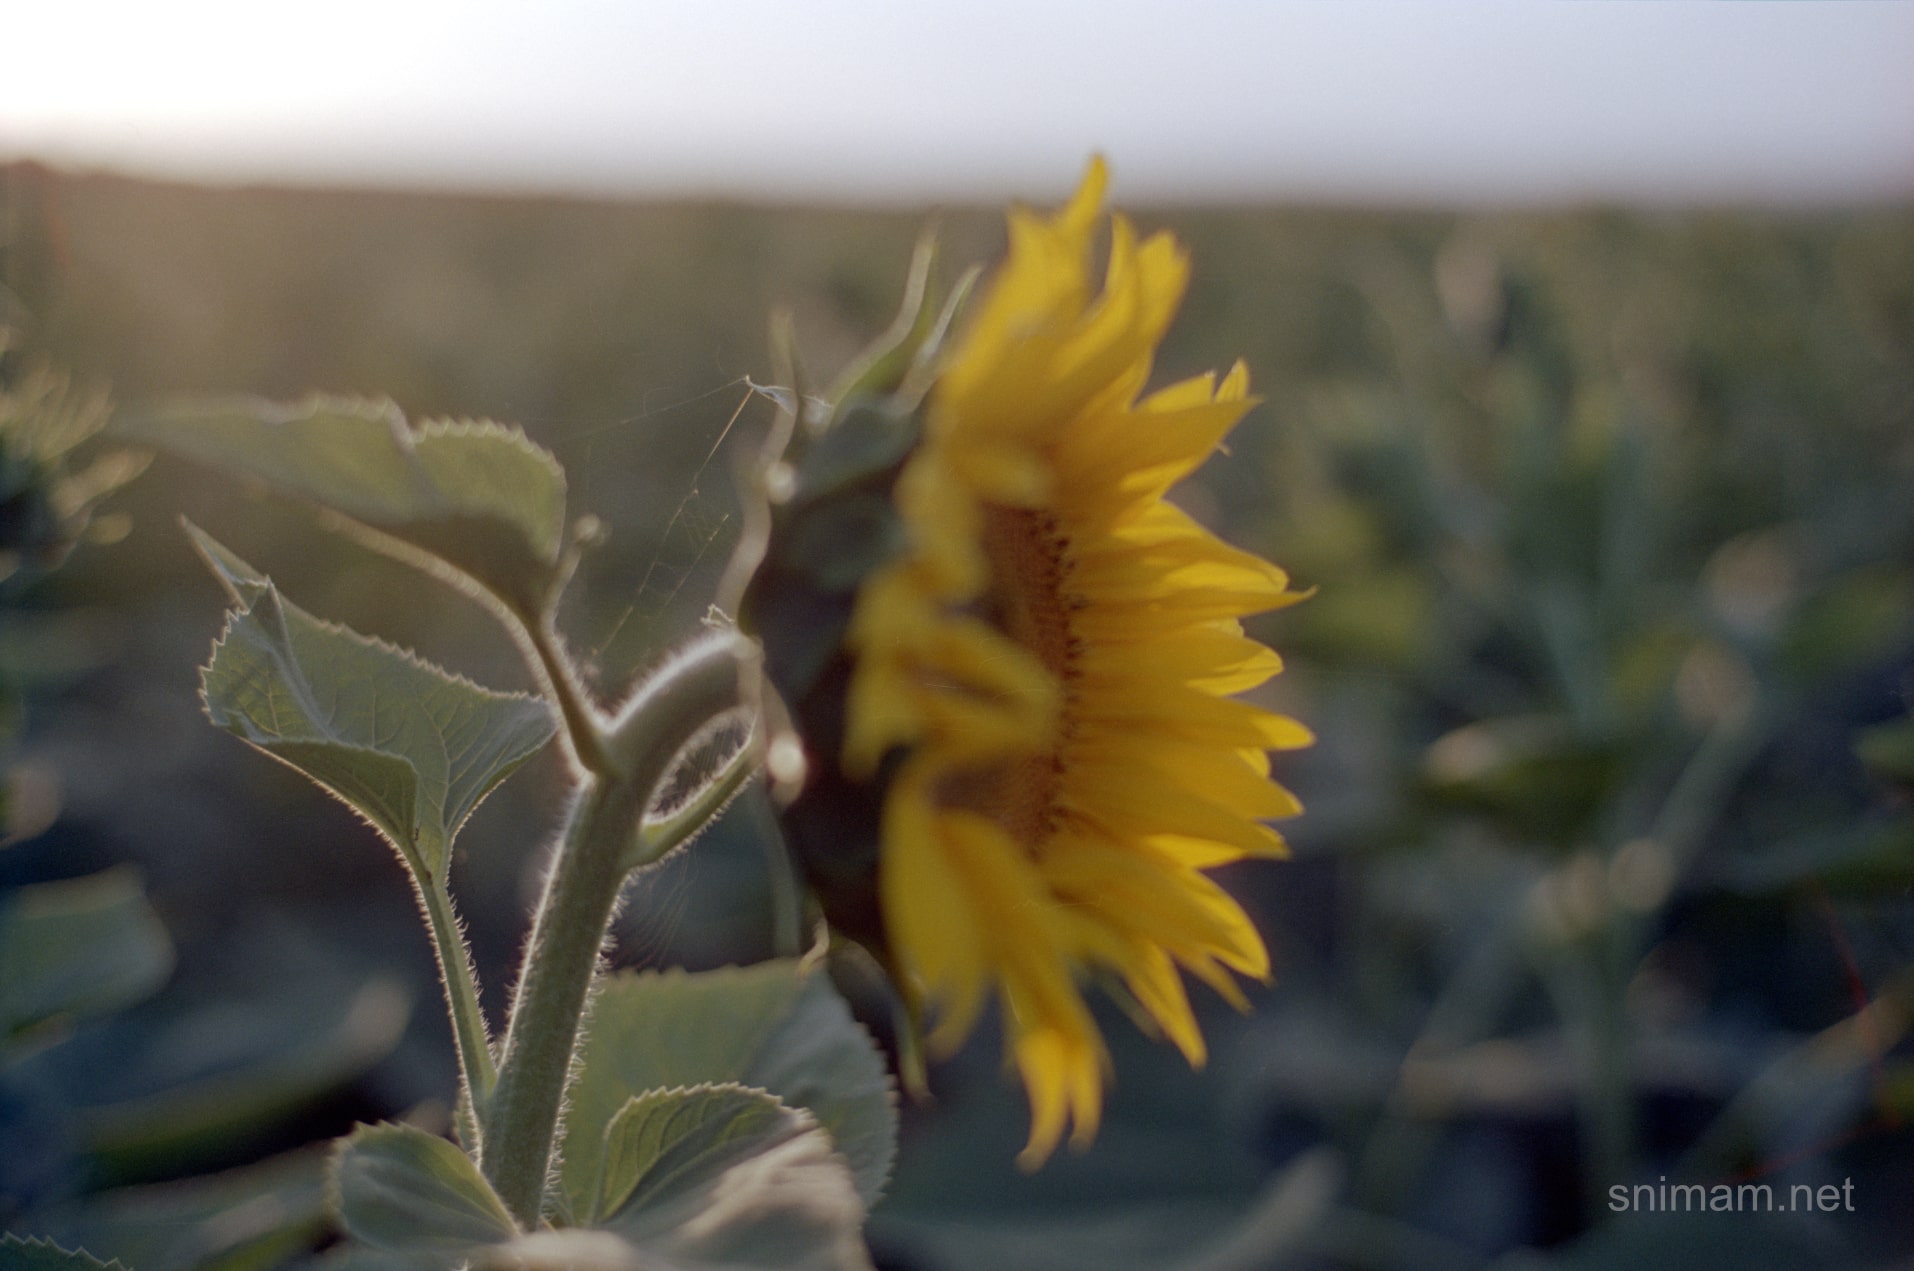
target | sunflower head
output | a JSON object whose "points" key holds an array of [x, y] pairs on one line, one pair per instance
{"points": [[1013, 664]]}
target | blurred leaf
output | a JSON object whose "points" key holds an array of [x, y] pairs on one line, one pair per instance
{"points": [[1384, 617], [43, 417], [30, 799], [1889, 750], [1177, 1168], [552, 1249], [46, 504], [776, 1026], [1294, 1202], [84, 946], [17, 1254], [1533, 774], [478, 496], [1872, 857], [1273, 1229], [404, 1190], [1858, 617], [290, 1051], [41, 649], [241, 1220], [1695, 1242], [410, 747], [864, 444], [346, 1256], [1643, 666], [725, 1177]]}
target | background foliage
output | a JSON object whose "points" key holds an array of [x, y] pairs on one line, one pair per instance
{"points": [[1608, 872]]}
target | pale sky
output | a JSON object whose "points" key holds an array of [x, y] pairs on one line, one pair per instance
{"points": [[911, 100]]}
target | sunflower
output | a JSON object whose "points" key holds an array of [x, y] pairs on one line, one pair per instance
{"points": [[1035, 694], [1053, 659]]}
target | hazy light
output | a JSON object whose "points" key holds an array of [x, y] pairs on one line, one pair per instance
{"points": [[877, 98]]}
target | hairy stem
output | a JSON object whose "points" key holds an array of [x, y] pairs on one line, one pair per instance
{"points": [[584, 729], [581, 893], [561, 958], [657, 836], [476, 1072]]}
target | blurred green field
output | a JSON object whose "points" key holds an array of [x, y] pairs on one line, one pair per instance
{"points": [[1608, 869]]}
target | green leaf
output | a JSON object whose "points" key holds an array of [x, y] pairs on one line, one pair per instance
{"points": [[403, 1190], [410, 747], [83, 946], [185, 1089], [661, 1133], [777, 1026], [17, 1254], [477, 496], [722, 1176], [249, 1219]]}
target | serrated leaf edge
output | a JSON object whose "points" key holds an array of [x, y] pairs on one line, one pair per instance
{"points": [[335, 1155], [805, 1121], [43, 1244], [808, 967], [268, 590], [376, 642], [405, 432], [804, 969], [387, 540]]}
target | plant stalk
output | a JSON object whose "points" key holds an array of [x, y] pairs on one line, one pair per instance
{"points": [[521, 1120], [561, 959], [563, 685], [476, 1071]]}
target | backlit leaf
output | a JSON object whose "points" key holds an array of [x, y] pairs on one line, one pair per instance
{"points": [[723, 1176], [777, 1026], [404, 1190], [478, 496], [410, 747], [248, 1219]]}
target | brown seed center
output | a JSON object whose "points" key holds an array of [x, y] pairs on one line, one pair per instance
{"points": [[1029, 602], [1028, 571]]}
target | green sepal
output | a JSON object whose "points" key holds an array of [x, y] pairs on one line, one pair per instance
{"points": [[837, 526], [883, 366]]}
